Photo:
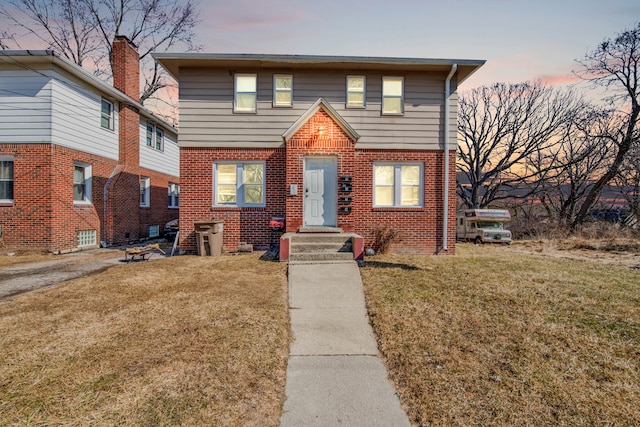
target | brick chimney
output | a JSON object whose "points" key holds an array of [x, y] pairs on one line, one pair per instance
{"points": [[123, 198], [125, 63]]}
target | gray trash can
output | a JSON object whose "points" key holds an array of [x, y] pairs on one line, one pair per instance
{"points": [[209, 235]]}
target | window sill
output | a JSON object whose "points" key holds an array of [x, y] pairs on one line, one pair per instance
{"points": [[174, 207], [145, 207], [238, 208], [6, 203], [392, 114], [396, 208], [78, 203]]}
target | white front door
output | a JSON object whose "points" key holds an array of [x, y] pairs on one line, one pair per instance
{"points": [[320, 191]]}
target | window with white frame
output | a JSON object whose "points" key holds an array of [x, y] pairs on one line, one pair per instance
{"points": [[356, 91], [106, 114], [154, 230], [86, 238], [239, 184], [155, 137], [145, 192], [392, 95], [174, 195], [282, 90], [398, 185], [245, 93], [81, 183], [6, 179], [159, 139]]}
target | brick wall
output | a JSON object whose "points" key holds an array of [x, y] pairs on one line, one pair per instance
{"points": [[158, 212], [420, 230], [43, 215]]}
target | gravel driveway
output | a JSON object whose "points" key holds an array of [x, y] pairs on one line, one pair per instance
{"points": [[17, 279]]}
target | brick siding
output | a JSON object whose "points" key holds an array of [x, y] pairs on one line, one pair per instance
{"points": [[420, 230]]}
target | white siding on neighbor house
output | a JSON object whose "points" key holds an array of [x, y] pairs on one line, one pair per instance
{"points": [[166, 161], [76, 119], [207, 118], [25, 105]]}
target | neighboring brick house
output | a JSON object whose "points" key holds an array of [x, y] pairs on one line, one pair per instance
{"points": [[349, 142], [81, 162]]}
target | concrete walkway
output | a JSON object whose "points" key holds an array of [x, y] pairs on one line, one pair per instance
{"points": [[334, 376]]}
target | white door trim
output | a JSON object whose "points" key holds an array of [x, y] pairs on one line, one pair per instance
{"points": [[320, 191]]}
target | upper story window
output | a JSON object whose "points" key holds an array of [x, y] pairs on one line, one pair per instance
{"points": [[356, 91], [174, 195], [245, 93], [398, 185], [282, 90], [239, 184], [6, 180], [106, 114], [155, 137], [392, 95], [145, 192], [81, 183]]}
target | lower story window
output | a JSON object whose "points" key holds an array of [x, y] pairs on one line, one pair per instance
{"points": [[154, 230], [174, 195], [81, 183], [398, 185], [145, 192], [6, 180], [239, 184], [86, 238]]}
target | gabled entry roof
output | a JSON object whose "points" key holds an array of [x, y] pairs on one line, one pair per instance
{"points": [[320, 104]]}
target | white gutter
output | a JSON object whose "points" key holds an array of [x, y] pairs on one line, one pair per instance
{"points": [[447, 108]]}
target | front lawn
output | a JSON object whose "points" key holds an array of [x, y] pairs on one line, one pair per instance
{"points": [[497, 337], [178, 341]]}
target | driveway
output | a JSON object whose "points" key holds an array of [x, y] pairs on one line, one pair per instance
{"points": [[17, 279]]}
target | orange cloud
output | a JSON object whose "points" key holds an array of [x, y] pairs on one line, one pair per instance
{"points": [[560, 79]]}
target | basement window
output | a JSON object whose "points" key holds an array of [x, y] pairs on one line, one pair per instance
{"points": [[154, 230], [86, 238]]}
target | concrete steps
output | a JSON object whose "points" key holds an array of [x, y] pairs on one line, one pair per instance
{"points": [[310, 247]]}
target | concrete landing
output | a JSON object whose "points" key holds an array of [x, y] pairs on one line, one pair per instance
{"points": [[334, 376]]}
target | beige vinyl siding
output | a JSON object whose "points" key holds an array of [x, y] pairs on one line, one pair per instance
{"points": [[165, 161], [207, 118]]}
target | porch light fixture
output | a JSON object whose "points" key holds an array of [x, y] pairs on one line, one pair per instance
{"points": [[320, 131]]}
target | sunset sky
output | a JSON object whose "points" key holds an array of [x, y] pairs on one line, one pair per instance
{"points": [[520, 39]]}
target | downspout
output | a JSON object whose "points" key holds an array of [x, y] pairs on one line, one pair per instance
{"points": [[447, 108], [105, 196]]}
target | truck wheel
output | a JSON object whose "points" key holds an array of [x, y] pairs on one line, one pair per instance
{"points": [[478, 240]]}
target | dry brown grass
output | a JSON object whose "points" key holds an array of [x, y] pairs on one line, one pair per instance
{"points": [[179, 341], [498, 337], [8, 258]]}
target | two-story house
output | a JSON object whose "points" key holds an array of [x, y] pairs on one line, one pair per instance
{"points": [[81, 161], [351, 143]]}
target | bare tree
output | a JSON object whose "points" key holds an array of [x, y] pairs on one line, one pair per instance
{"points": [[501, 128], [627, 181], [615, 65], [580, 159], [83, 30]]}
